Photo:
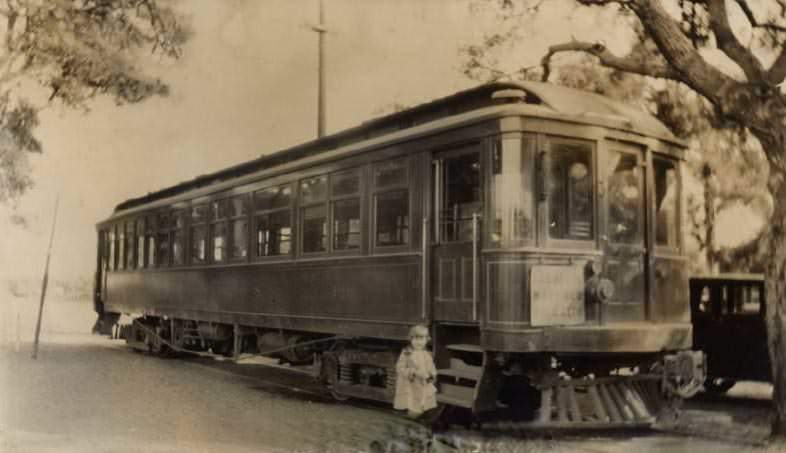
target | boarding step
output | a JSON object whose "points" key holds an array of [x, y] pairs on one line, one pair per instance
{"points": [[464, 348], [461, 370], [456, 395], [458, 384]]}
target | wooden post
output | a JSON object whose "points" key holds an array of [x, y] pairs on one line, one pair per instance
{"points": [[44, 282], [18, 340], [320, 29]]}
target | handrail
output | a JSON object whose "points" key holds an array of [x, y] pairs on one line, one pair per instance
{"points": [[424, 269], [475, 266]]}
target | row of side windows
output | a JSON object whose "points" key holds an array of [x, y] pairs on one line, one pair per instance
{"points": [[261, 224]]}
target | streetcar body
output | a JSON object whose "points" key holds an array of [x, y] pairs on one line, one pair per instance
{"points": [[522, 223]]}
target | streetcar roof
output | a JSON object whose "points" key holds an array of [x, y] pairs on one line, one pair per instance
{"points": [[536, 100]]}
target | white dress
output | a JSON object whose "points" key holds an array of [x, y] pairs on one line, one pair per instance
{"points": [[415, 375]]}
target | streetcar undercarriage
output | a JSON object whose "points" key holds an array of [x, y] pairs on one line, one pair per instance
{"points": [[521, 390]]}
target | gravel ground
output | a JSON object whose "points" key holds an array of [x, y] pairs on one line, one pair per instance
{"points": [[92, 394]]}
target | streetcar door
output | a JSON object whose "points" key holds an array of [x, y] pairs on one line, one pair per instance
{"points": [[624, 237], [458, 205]]}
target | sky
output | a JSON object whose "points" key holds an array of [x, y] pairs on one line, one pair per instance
{"points": [[246, 86]]}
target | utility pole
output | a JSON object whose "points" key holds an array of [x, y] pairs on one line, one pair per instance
{"points": [[320, 29], [44, 283]]}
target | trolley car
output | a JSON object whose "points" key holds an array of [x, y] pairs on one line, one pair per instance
{"points": [[535, 229]]}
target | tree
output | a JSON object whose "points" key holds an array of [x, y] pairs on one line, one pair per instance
{"points": [[673, 38], [72, 51]]}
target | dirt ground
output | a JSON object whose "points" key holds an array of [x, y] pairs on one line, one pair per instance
{"points": [[91, 394]]}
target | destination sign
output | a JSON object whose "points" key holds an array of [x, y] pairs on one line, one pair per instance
{"points": [[557, 295]]}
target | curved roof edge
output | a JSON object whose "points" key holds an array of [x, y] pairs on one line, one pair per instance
{"points": [[573, 103]]}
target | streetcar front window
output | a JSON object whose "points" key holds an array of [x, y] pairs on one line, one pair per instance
{"points": [[512, 192], [666, 203], [624, 198], [571, 191]]}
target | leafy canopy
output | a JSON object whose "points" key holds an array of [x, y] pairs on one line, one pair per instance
{"points": [[73, 50]]}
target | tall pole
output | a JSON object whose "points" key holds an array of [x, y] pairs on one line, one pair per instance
{"points": [[45, 281], [320, 30]]}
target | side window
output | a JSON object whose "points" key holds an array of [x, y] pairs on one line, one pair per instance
{"points": [[391, 203], [150, 233], [198, 235], [140, 243], [111, 246], [273, 221], [512, 197], [103, 237], [130, 245], [121, 246], [747, 299], [178, 237], [666, 203], [345, 204], [313, 203], [624, 195], [238, 227], [570, 191], [164, 223], [218, 230]]}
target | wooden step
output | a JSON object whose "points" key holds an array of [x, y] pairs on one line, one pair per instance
{"points": [[456, 395], [464, 348], [471, 375], [460, 369]]}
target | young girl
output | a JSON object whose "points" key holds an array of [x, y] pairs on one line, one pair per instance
{"points": [[415, 375]]}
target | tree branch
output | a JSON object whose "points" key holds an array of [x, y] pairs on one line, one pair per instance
{"points": [[677, 49], [728, 42], [746, 9], [634, 62], [601, 2], [777, 72]]}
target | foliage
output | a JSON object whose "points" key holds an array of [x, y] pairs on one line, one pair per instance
{"points": [[75, 50]]}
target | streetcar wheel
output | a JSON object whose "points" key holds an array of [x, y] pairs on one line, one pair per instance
{"points": [[718, 386]]}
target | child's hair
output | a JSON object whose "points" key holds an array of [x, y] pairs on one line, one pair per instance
{"points": [[419, 330]]}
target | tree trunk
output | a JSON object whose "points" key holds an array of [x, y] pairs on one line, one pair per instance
{"points": [[776, 303]]}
